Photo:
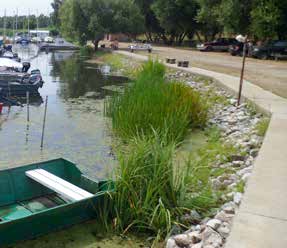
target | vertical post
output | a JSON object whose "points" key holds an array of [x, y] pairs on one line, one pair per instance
{"points": [[28, 109], [37, 25], [16, 27], [44, 123], [242, 73], [4, 32], [29, 23]]}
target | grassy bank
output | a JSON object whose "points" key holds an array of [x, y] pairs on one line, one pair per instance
{"points": [[151, 118], [119, 63]]}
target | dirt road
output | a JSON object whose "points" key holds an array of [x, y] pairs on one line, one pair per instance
{"points": [[268, 74]]}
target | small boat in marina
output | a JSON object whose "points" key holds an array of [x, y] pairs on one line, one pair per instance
{"points": [[15, 81], [20, 86], [40, 198]]}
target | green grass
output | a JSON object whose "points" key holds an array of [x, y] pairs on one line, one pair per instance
{"points": [[240, 187], [147, 190], [262, 126], [119, 62], [153, 105], [200, 194]]}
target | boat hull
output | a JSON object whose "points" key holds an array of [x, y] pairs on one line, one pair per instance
{"points": [[21, 222], [19, 89], [48, 221]]}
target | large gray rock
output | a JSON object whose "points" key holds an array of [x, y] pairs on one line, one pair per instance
{"points": [[211, 238], [171, 243], [214, 223], [182, 240], [224, 217], [198, 245], [195, 237], [224, 230], [237, 198]]}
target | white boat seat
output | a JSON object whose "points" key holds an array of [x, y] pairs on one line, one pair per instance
{"points": [[57, 184]]}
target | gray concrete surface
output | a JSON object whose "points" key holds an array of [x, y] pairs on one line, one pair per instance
{"points": [[261, 221]]}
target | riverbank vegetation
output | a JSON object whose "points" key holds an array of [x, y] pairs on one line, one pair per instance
{"points": [[154, 189], [151, 117], [151, 106]]}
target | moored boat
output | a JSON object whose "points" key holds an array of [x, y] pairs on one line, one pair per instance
{"points": [[43, 197]]}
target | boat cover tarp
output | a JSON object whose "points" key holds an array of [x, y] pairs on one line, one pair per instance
{"points": [[9, 63]]}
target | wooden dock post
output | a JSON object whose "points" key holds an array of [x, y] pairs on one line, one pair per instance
{"points": [[28, 109], [44, 123]]}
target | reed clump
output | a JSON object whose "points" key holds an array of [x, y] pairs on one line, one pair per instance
{"points": [[151, 104], [151, 117], [147, 192]]}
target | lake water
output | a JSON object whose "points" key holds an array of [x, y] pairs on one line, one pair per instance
{"points": [[76, 128]]}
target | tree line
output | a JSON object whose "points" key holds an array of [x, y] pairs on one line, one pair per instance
{"points": [[22, 22], [171, 21]]}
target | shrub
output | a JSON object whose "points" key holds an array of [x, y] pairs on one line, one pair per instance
{"points": [[86, 51]]}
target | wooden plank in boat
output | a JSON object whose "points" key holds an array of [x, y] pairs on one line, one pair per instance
{"points": [[57, 184]]}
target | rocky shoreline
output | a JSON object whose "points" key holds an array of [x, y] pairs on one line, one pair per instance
{"points": [[238, 127]]}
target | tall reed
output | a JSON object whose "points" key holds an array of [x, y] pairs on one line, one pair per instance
{"points": [[147, 192], [151, 116], [151, 104]]}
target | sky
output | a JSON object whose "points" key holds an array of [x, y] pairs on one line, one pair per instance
{"points": [[43, 7]]}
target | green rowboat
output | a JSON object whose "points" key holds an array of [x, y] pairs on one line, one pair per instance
{"points": [[43, 197]]}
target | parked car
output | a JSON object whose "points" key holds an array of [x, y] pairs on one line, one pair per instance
{"points": [[236, 49], [49, 39], [273, 49], [23, 41], [221, 45], [140, 47], [36, 40]]}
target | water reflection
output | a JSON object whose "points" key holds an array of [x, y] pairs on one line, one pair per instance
{"points": [[76, 128], [78, 78]]}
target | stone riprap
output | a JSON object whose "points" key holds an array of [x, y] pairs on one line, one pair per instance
{"points": [[238, 127]]}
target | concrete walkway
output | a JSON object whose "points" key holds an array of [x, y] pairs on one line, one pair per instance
{"points": [[261, 221]]}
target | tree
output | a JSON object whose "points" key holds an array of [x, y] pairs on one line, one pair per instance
{"points": [[85, 20], [153, 29], [265, 19], [56, 5], [208, 18], [127, 18], [234, 16], [176, 17]]}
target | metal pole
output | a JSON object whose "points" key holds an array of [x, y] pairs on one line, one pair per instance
{"points": [[4, 33], [44, 122], [14, 26], [28, 102], [29, 23], [242, 74], [16, 22]]}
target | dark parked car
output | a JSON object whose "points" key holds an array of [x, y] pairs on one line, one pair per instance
{"points": [[236, 49], [221, 45], [272, 49]]}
